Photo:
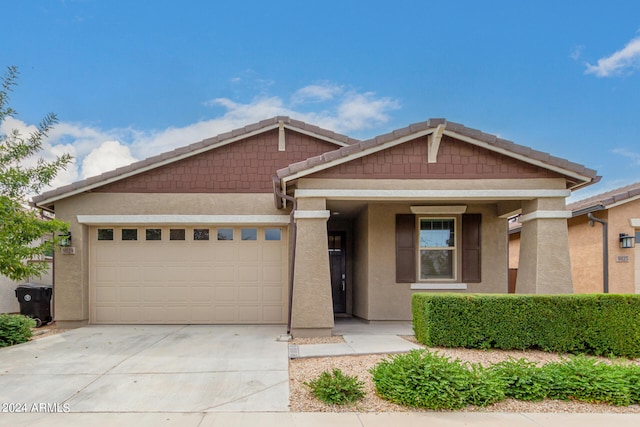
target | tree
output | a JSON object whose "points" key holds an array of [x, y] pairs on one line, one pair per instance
{"points": [[25, 235]]}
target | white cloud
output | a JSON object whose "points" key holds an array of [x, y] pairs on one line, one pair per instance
{"points": [[626, 59], [108, 156], [316, 93], [629, 154], [96, 151]]}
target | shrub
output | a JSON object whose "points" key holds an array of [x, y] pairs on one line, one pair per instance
{"points": [[15, 329], [428, 380], [423, 379], [585, 379], [597, 324], [337, 388], [524, 380]]}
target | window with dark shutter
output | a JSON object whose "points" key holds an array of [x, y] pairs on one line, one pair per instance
{"points": [[471, 259], [405, 248]]}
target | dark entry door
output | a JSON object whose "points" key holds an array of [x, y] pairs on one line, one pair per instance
{"points": [[337, 265]]}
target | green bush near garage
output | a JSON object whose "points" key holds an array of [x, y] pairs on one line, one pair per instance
{"points": [[599, 324], [15, 329]]}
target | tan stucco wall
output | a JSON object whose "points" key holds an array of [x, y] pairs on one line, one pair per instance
{"points": [[544, 262], [585, 246], [621, 274], [388, 300], [514, 250], [586, 250], [361, 265], [72, 271]]}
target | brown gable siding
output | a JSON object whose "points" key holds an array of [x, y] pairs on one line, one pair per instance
{"points": [[456, 160], [244, 166]]}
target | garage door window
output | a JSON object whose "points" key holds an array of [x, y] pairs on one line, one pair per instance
{"points": [[105, 233], [200, 234], [154, 234], [177, 234], [249, 234], [272, 234], [225, 233], [129, 234]]}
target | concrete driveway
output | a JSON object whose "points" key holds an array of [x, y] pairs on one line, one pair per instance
{"points": [[149, 369]]}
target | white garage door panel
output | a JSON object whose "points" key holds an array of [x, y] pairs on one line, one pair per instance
{"points": [[182, 282]]}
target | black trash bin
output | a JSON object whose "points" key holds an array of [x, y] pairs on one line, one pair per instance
{"points": [[35, 302]]}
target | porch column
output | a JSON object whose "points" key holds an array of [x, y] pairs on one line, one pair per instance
{"points": [[312, 311], [545, 265]]}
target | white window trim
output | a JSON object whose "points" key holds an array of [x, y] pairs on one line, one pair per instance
{"points": [[438, 286], [455, 250]]}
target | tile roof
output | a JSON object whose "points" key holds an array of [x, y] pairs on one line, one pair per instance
{"points": [[608, 198], [491, 140], [194, 148]]}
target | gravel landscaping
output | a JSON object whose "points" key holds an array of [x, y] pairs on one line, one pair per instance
{"points": [[304, 370]]}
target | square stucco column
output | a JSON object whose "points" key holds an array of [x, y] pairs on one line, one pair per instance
{"points": [[545, 265], [312, 311]]}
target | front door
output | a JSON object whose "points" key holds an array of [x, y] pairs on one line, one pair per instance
{"points": [[337, 265]]}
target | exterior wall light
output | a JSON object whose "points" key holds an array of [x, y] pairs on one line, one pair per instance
{"points": [[65, 239], [626, 241]]}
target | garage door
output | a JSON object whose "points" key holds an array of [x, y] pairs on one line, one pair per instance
{"points": [[188, 275]]}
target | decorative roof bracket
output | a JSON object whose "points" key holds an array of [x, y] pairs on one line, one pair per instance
{"points": [[433, 141], [281, 141]]}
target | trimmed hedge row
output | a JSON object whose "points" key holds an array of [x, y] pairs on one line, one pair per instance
{"points": [[600, 324]]}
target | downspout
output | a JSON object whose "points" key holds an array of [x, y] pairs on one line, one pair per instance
{"points": [[294, 237], [605, 250]]}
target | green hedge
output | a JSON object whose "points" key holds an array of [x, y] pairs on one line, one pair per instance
{"points": [[600, 324], [15, 329]]}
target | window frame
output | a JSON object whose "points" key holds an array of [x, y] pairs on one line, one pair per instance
{"points": [[455, 249]]}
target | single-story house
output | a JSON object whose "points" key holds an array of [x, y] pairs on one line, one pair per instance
{"points": [[283, 222], [603, 231]]}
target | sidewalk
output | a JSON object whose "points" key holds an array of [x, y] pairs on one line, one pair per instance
{"points": [[290, 419]]}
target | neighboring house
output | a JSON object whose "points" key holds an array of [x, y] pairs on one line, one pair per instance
{"points": [[202, 234], [596, 267]]}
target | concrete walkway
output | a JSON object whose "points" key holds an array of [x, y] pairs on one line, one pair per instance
{"points": [[360, 338], [291, 419], [202, 376]]}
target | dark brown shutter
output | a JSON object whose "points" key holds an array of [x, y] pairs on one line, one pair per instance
{"points": [[405, 248], [471, 259]]}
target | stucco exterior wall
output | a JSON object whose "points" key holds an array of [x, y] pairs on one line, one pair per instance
{"points": [[621, 274], [585, 246], [361, 265], [72, 271], [388, 300], [514, 250]]}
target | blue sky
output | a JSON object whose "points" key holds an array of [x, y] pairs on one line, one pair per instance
{"points": [[131, 79]]}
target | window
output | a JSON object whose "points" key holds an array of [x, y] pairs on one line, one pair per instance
{"points": [[177, 234], [225, 233], [129, 234], [437, 241], [200, 234], [461, 238], [272, 234], [105, 234], [154, 234], [249, 234]]}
